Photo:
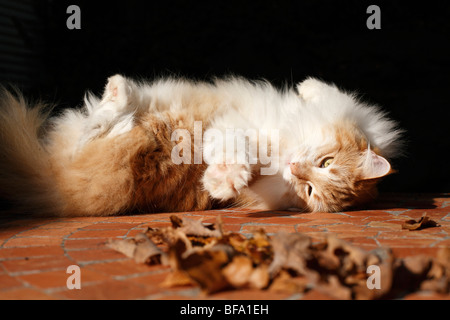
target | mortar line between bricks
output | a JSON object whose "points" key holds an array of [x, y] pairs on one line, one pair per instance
{"points": [[432, 245], [140, 274], [26, 285], [375, 238], [92, 262], [63, 244], [28, 272], [57, 290]]}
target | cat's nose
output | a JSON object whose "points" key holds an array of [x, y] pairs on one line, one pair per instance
{"points": [[295, 168]]}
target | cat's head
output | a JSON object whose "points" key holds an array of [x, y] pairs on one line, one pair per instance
{"points": [[339, 148], [338, 173]]}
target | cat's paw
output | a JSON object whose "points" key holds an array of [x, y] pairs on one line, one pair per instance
{"points": [[224, 181], [310, 89], [116, 94]]}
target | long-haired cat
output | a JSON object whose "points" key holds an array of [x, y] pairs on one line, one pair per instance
{"points": [[117, 153]]}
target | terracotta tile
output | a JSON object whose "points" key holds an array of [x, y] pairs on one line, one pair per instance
{"points": [[231, 220], [355, 235], [325, 215], [157, 224], [232, 227], [94, 255], [138, 219], [401, 252], [6, 234], [369, 213], [55, 279], [8, 253], [319, 222], [405, 234], [86, 234], [388, 225], [74, 244], [154, 279], [406, 242], [33, 241], [345, 228], [283, 220], [8, 282], [108, 290], [70, 225], [303, 229], [267, 228], [37, 264], [119, 268], [262, 214], [40, 232], [24, 294], [443, 243], [110, 226]]}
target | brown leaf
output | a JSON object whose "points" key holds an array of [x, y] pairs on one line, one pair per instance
{"points": [[194, 227], [124, 246], [141, 249], [423, 222], [259, 277], [204, 267], [238, 271], [290, 252], [285, 282], [334, 288], [177, 278], [146, 251]]}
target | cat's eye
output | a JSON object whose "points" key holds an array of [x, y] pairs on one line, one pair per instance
{"points": [[326, 162], [309, 190]]}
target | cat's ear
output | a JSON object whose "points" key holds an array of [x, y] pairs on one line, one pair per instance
{"points": [[117, 90], [374, 166]]}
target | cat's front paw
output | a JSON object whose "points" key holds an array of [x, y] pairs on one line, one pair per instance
{"points": [[224, 181]]}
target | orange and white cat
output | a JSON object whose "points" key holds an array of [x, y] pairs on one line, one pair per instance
{"points": [[115, 155]]}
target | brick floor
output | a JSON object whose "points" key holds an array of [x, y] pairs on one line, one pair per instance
{"points": [[35, 253]]}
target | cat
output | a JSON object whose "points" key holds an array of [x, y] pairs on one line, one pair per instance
{"points": [[115, 155]]}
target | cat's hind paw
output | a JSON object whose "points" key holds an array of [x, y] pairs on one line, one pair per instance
{"points": [[224, 181], [310, 89], [116, 94]]}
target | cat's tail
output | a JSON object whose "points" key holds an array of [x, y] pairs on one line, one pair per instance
{"points": [[26, 180]]}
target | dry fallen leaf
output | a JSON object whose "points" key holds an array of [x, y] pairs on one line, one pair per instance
{"points": [[194, 227], [141, 249], [423, 222], [238, 271]]}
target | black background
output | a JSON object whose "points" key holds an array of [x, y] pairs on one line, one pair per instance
{"points": [[402, 67]]}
